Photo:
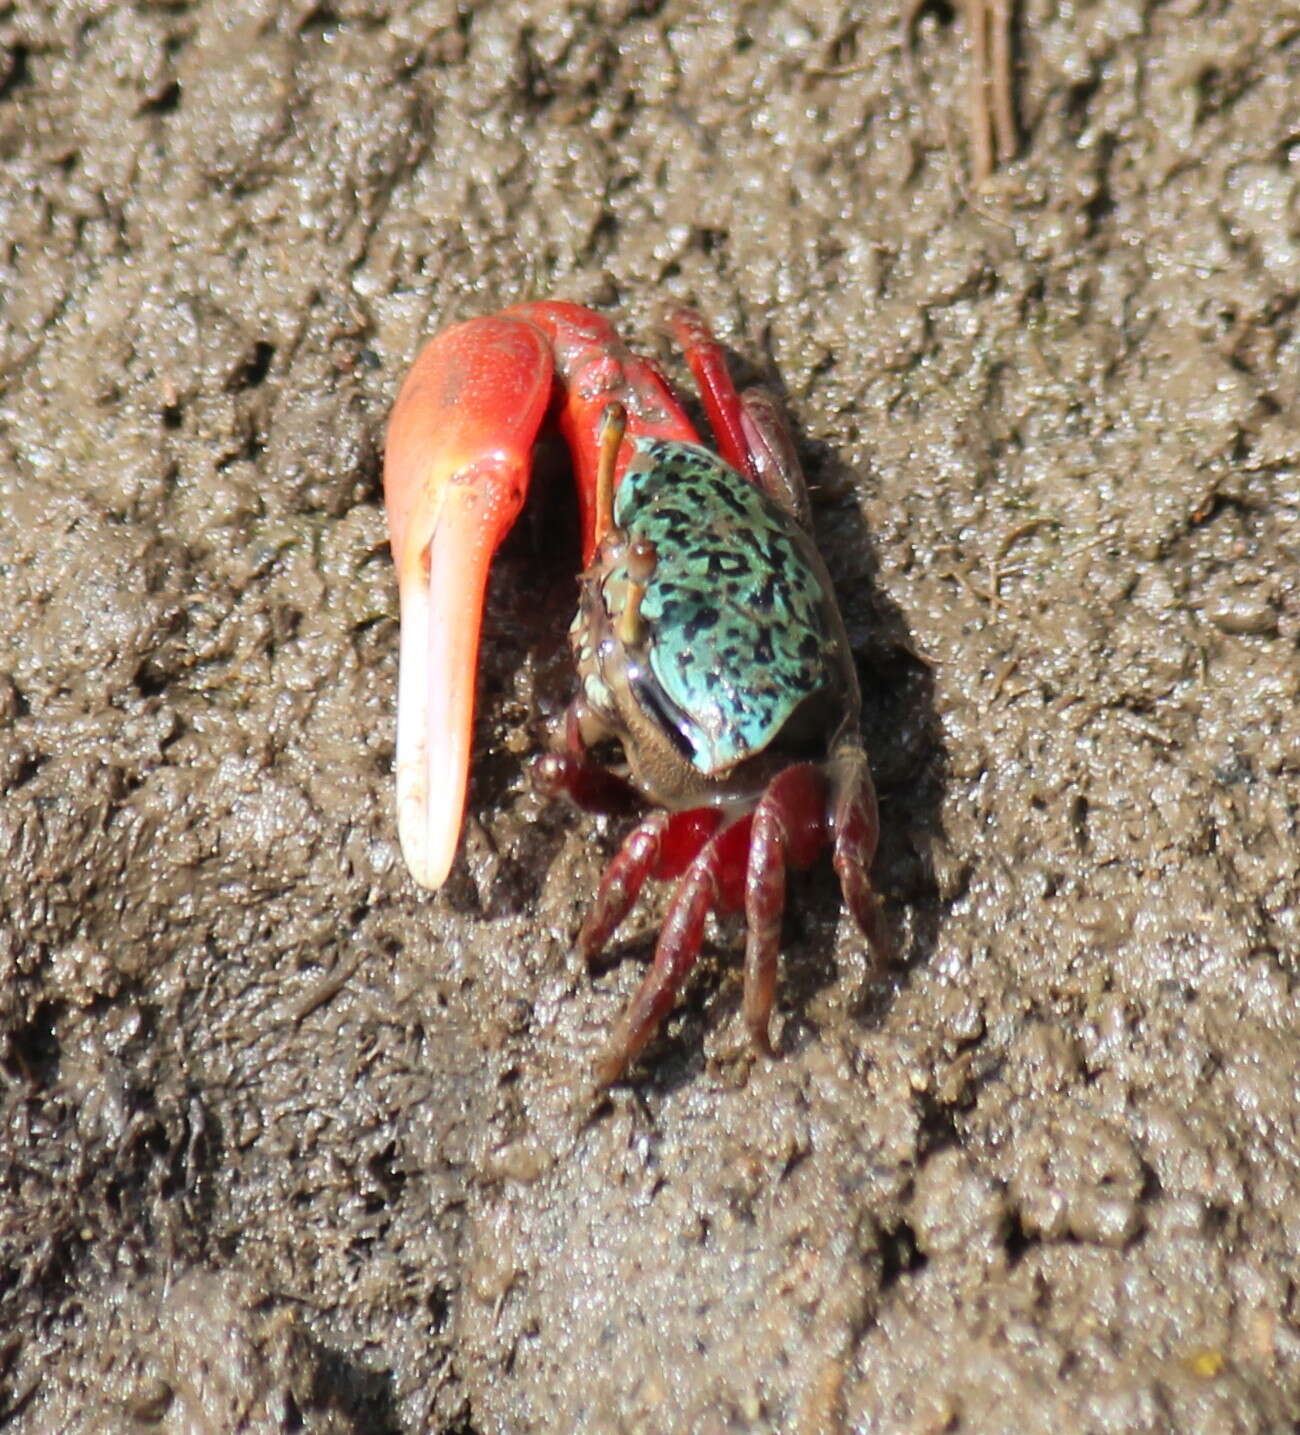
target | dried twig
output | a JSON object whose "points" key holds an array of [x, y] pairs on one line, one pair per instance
{"points": [[990, 103], [991, 116]]}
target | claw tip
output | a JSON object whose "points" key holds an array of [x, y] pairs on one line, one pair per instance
{"points": [[429, 814]]}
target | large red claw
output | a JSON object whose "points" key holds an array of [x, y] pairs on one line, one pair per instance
{"points": [[456, 470]]}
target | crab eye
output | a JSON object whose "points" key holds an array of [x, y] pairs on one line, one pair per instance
{"points": [[667, 717]]}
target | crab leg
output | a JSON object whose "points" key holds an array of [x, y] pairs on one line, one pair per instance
{"points": [[675, 954], [750, 429], [661, 845], [789, 830], [855, 830], [622, 883], [721, 401], [705, 887]]}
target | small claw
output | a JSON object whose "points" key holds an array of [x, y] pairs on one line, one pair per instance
{"points": [[456, 469]]}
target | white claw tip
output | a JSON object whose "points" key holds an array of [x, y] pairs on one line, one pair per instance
{"points": [[428, 822], [435, 714]]}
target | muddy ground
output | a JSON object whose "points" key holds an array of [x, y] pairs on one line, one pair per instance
{"points": [[288, 1144]]}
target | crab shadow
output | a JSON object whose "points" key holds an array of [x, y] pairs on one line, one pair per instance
{"points": [[532, 602]]}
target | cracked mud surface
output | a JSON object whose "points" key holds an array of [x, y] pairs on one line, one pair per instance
{"points": [[287, 1144]]}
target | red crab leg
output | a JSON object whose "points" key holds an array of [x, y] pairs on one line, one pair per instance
{"points": [[789, 829], [661, 845], [700, 891], [675, 954], [721, 401], [750, 428], [855, 830], [622, 883]]}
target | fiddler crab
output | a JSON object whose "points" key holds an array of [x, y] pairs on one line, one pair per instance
{"points": [[707, 638]]}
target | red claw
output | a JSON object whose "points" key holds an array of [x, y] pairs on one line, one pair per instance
{"points": [[456, 470]]}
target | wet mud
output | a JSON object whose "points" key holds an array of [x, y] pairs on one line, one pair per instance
{"points": [[286, 1144]]}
